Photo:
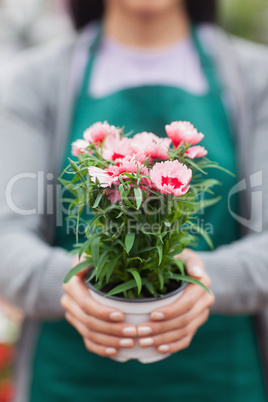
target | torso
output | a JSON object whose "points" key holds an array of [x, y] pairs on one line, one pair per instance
{"points": [[222, 362]]}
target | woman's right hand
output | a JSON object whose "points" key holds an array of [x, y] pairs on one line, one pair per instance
{"points": [[102, 328]]}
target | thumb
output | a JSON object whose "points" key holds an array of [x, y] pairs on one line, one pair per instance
{"points": [[76, 261], [194, 264]]}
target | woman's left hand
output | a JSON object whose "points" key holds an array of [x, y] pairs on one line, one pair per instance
{"points": [[173, 327]]}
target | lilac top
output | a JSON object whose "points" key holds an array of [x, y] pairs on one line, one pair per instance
{"points": [[119, 66]]}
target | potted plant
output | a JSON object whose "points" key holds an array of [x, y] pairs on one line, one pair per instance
{"points": [[139, 200]]}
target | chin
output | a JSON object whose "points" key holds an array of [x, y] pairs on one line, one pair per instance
{"points": [[148, 8]]}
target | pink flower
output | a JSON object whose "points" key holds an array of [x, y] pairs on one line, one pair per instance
{"points": [[171, 177], [151, 145], [99, 131], [196, 152], [114, 195], [109, 176], [129, 164], [116, 147], [79, 147], [184, 131], [101, 175]]}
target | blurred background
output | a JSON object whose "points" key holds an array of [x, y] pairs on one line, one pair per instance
{"points": [[28, 23], [245, 18], [25, 23]]}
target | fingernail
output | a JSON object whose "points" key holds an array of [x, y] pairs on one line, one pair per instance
{"points": [[129, 331], [157, 316], [163, 348], [116, 316], [144, 331], [196, 271], [146, 342], [126, 343], [110, 351]]}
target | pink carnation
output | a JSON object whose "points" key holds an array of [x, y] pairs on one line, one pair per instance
{"points": [[114, 195], [171, 177], [116, 147], [101, 175], [151, 145], [99, 131], [129, 164], [196, 152], [109, 176], [184, 131], [79, 147]]}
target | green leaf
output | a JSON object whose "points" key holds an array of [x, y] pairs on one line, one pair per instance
{"points": [[161, 279], [149, 286], [118, 241], [195, 166], [123, 287], [203, 233], [92, 223], [74, 166], [138, 197], [71, 187], [214, 165], [208, 183], [95, 249], [135, 258], [102, 259], [209, 202], [111, 266], [97, 201], [129, 241], [146, 249], [189, 279], [160, 253], [92, 275], [137, 278], [85, 246], [102, 266], [180, 265], [124, 195], [78, 268]]}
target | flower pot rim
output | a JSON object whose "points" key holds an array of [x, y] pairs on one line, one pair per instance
{"points": [[144, 300]]}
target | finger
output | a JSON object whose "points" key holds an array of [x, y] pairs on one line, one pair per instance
{"points": [[77, 260], [81, 274], [98, 338], [194, 264], [77, 289], [100, 350], [180, 344], [182, 305], [110, 341], [155, 328], [117, 329], [175, 335], [175, 346]]}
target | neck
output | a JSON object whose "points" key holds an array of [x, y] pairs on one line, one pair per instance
{"points": [[146, 31]]}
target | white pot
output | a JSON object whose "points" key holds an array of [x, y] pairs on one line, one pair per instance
{"points": [[137, 311]]}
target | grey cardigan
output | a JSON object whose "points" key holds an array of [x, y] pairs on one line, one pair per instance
{"points": [[36, 111]]}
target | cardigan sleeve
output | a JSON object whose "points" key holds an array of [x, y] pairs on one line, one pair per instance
{"points": [[31, 271], [239, 271], [239, 274]]}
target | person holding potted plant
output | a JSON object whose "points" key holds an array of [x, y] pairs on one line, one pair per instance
{"points": [[146, 67]]}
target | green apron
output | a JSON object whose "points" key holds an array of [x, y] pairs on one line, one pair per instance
{"points": [[222, 362]]}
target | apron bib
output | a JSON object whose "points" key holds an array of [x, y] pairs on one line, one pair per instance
{"points": [[222, 362]]}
